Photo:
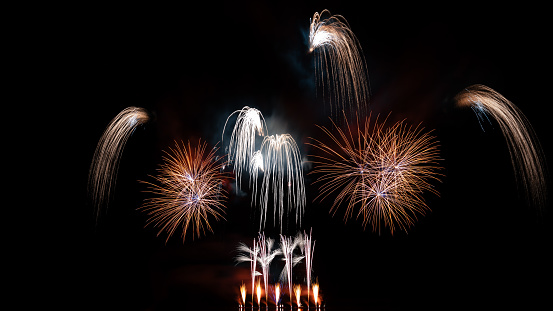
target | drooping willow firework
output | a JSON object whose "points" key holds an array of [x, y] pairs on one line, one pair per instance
{"points": [[339, 62], [105, 163], [381, 171], [282, 178], [249, 124], [187, 190], [523, 144]]}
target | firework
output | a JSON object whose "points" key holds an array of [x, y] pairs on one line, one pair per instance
{"points": [[243, 293], [249, 124], [258, 292], [282, 177], [339, 61], [277, 294], [249, 255], [316, 293], [383, 172], [287, 247], [186, 191], [266, 256], [297, 291], [307, 249], [105, 162], [524, 147]]}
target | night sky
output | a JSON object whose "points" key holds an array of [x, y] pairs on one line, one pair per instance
{"points": [[191, 66]]}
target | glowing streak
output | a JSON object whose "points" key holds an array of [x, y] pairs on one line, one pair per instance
{"points": [[249, 124], [105, 162], [258, 291], [339, 61], [524, 147], [316, 292], [282, 177], [287, 246], [277, 294], [382, 172], [297, 290], [186, 191], [243, 293]]}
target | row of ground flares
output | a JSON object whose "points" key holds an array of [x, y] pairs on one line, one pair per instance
{"points": [[277, 296]]}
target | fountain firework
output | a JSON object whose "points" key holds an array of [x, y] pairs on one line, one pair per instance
{"points": [[339, 61], [287, 246], [249, 255], [307, 249], [249, 124], [524, 147], [243, 293], [266, 256], [187, 189], [383, 171], [283, 174], [105, 162]]}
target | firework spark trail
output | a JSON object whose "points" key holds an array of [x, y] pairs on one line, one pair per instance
{"points": [[186, 191], [316, 293], [297, 290], [265, 257], [339, 60], [243, 293], [103, 170], [249, 255], [283, 174], [256, 165], [287, 247], [249, 124], [307, 249], [524, 147], [382, 171]]}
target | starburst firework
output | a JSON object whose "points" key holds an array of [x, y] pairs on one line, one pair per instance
{"points": [[187, 190], [381, 172]]}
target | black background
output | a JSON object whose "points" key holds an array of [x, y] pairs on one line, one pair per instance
{"points": [[192, 65]]}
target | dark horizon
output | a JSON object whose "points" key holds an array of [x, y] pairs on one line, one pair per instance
{"points": [[480, 245]]}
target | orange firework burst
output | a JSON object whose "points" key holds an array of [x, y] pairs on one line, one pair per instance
{"points": [[382, 172], [187, 189]]}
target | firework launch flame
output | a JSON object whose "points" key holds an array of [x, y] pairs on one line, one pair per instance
{"points": [[382, 172], [105, 162], [186, 191], [339, 62], [524, 147]]}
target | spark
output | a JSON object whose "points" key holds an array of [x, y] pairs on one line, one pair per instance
{"points": [[186, 191], [258, 291], [249, 124], [282, 166], [297, 290], [316, 293], [524, 146], [339, 60], [243, 293], [382, 172], [277, 294], [105, 162]]}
